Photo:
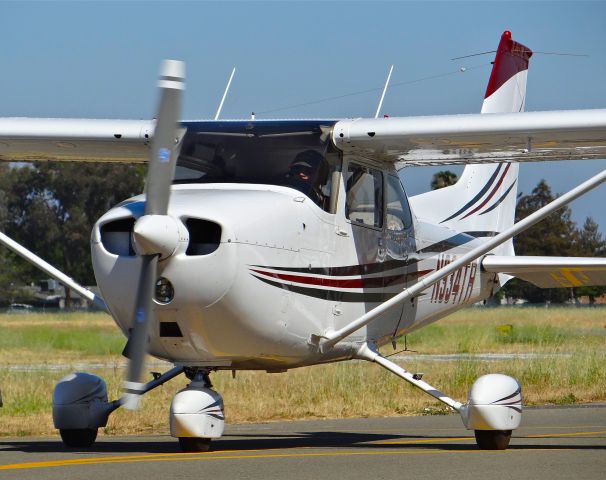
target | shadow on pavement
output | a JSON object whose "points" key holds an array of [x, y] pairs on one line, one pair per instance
{"points": [[248, 442]]}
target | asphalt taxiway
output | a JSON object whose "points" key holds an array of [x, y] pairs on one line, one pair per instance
{"points": [[565, 442]]}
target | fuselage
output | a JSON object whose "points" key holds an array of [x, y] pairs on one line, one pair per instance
{"points": [[260, 267]]}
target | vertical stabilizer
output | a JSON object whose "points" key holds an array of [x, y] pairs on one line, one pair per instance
{"points": [[483, 201], [506, 90]]}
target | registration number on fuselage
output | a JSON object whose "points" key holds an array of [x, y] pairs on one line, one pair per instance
{"points": [[457, 287]]}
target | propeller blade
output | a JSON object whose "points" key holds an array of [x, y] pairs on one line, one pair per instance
{"points": [[143, 319], [165, 143], [161, 169]]}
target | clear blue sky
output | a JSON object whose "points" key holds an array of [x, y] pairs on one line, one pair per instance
{"points": [[100, 60]]}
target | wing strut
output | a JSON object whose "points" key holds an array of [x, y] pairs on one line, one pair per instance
{"points": [[52, 271], [327, 340]]}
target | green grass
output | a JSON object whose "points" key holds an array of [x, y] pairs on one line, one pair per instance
{"points": [[90, 342], [478, 330], [40, 338]]}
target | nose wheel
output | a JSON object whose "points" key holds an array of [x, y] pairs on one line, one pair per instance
{"points": [[493, 439], [194, 444]]}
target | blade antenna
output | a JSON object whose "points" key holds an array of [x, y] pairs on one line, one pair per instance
{"points": [[384, 90], [225, 93]]}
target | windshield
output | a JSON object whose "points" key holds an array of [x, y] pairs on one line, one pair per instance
{"points": [[297, 154]]}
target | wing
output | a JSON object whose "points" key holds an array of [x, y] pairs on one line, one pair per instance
{"points": [[433, 140], [550, 272], [476, 138], [62, 139]]}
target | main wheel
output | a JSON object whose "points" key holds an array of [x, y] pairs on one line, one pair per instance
{"points": [[493, 439], [194, 444], [80, 438]]}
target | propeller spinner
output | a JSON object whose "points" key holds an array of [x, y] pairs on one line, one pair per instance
{"points": [[155, 233]]}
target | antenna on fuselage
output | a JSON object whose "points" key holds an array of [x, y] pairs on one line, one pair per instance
{"points": [[225, 93], [384, 90]]}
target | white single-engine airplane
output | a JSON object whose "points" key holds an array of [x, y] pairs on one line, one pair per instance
{"points": [[271, 245]]}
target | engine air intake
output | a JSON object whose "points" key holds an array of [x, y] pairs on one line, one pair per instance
{"points": [[204, 236], [116, 237]]}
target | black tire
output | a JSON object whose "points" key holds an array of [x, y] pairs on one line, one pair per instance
{"points": [[194, 444], [493, 439], [80, 438]]}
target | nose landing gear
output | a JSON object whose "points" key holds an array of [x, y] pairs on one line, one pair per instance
{"points": [[197, 413]]}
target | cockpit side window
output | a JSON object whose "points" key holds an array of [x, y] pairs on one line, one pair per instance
{"points": [[397, 216], [364, 190]]}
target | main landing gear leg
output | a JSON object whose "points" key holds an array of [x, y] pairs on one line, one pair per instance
{"points": [[493, 409], [196, 413]]}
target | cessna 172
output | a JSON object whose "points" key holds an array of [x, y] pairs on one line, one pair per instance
{"points": [[271, 245]]}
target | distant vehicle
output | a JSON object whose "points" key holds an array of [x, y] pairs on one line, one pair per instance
{"points": [[20, 308]]}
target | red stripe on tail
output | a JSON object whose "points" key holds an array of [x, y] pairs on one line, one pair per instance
{"points": [[512, 57]]}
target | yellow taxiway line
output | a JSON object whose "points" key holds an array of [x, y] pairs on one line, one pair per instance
{"points": [[571, 434]]}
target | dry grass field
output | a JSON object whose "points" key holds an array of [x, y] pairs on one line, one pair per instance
{"points": [[567, 350]]}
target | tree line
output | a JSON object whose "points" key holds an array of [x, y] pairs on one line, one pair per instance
{"points": [[50, 208]]}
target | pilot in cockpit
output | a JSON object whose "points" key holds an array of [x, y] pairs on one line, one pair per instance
{"points": [[308, 173]]}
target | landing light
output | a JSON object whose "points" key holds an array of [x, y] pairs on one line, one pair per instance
{"points": [[164, 291]]}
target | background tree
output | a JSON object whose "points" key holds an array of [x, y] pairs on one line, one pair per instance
{"points": [[51, 207], [8, 290], [589, 243], [554, 236], [443, 178], [3, 206]]}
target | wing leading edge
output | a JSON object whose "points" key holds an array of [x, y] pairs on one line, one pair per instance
{"points": [[63, 139], [550, 272], [476, 138]]}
